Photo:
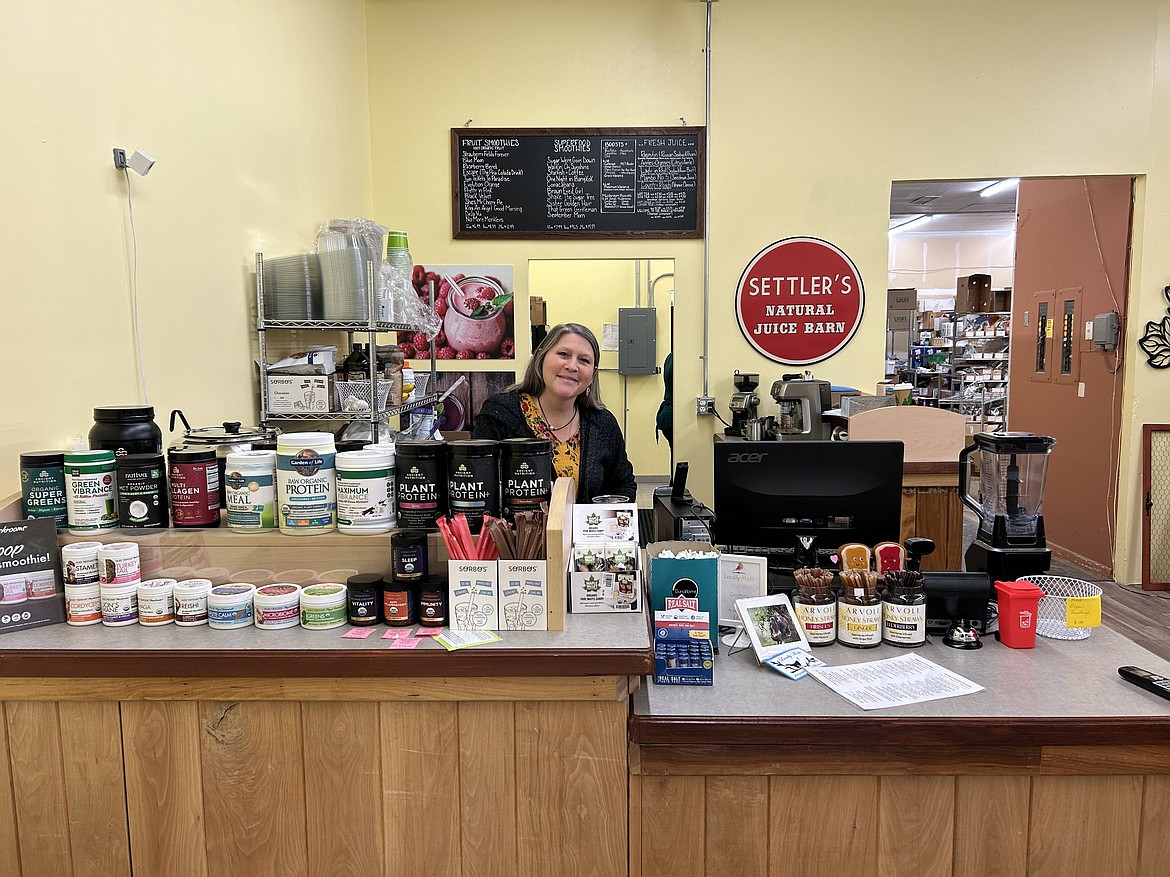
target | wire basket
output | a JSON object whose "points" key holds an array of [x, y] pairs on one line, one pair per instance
{"points": [[361, 390], [1050, 621]]}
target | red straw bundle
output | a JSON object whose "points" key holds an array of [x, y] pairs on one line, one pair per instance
{"points": [[461, 545]]}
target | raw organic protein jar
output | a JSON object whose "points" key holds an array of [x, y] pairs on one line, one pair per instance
{"points": [[79, 563], [119, 604], [230, 606], [42, 486], [525, 474], [119, 564], [421, 467], [83, 605], [305, 483], [143, 495], [156, 601], [91, 492], [323, 606], [125, 429], [278, 606], [473, 480], [365, 491], [191, 602], [250, 482], [194, 486]]}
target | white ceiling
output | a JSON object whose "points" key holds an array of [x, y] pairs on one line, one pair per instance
{"points": [[956, 205]]}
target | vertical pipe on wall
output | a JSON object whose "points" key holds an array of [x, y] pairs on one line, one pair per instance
{"points": [[707, 208]]}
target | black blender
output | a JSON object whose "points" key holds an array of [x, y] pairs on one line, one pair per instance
{"points": [[744, 401], [1012, 468]]}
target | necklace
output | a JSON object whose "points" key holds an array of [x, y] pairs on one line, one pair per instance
{"points": [[546, 420]]}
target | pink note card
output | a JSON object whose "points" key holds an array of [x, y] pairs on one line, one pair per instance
{"points": [[357, 633], [429, 631], [396, 632], [404, 642]]}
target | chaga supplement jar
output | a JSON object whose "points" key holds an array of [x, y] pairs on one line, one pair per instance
{"points": [[156, 602]]}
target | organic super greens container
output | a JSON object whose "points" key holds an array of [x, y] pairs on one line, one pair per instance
{"points": [[42, 486]]}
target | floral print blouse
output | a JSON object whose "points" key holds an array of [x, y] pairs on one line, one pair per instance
{"points": [[566, 456]]}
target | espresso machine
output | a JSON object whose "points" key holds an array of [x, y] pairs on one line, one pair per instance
{"points": [[802, 400], [745, 402], [1012, 468]]}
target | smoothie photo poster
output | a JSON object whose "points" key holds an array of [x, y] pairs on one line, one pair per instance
{"points": [[475, 303]]}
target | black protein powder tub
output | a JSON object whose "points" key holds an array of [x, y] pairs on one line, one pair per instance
{"points": [[421, 495], [526, 474], [473, 480]]}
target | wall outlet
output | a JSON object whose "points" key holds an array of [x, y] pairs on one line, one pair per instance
{"points": [[705, 405], [119, 158]]}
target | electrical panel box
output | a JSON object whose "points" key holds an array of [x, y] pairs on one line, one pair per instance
{"points": [[637, 332], [1105, 330]]}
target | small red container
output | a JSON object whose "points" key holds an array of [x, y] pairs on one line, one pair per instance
{"points": [[1019, 604]]}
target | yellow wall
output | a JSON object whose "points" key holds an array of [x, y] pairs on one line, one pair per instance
{"points": [[935, 261]]}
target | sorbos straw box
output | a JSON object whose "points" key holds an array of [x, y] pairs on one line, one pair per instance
{"points": [[300, 393], [523, 587], [677, 577], [473, 595]]}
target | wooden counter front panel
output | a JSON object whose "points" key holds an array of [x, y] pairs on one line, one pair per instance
{"points": [[252, 787]]}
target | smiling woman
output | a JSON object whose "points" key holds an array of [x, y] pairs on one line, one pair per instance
{"points": [[558, 400]]}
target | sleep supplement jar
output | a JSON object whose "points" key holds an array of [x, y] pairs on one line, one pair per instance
{"points": [[191, 602], [278, 606], [230, 606], [323, 606]]}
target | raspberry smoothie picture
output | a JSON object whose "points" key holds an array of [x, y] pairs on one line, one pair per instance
{"points": [[475, 303]]}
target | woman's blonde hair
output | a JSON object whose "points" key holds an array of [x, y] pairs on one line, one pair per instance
{"points": [[533, 381]]}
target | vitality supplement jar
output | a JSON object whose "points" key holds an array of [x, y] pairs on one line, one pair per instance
{"points": [[143, 495], [79, 563], [119, 604], [250, 487], [125, 429], [421, 468], [191, 602], [365, 491], [278, 606], [83, 605], [118, 564], [473, 480], [323, 606], [305, 483], [156, 601], [91, 492], [194, 486], [526, 474], [904, 609], [42, 486], [363, 594], [408, 555], [230, 606]]}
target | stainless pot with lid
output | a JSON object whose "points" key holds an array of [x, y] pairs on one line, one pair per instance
{"points": [[229, 437]]}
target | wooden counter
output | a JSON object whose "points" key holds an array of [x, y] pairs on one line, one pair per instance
{"points": [[176, 751], [1058, 768]]}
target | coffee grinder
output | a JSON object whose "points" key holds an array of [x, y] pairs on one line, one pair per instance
{"points": [[1012, 468], [745, 402]]}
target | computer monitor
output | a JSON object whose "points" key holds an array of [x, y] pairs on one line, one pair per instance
{"points": [[801, 500]]}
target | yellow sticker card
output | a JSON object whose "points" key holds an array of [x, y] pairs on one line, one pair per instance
{"points": [[1082, 612]]}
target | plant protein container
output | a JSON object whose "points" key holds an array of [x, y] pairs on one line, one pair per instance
{"points": [[859, 611], [118, 564], [191, 602], [305, 483], [42, 486], [250, 487], [363, 594], [79, 564], [143, 494], [473, 480], [230, 606], [323, 606], [194, 486], [278, 606], [526, 474], [125, 429], [365, 491], [91, 492], [156, 602], [904, 609], [421, 491]]}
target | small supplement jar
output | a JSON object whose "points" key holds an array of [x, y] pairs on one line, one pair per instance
{"points": [[432, 602], [79, 563], [323, 606], [41, 584], [278, 606], [230, 606], [191, 602], [83, 605], [119, 604], [156, 601], [118, 564], [363, 594]]}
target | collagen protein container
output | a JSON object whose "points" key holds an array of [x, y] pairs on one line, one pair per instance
{"points": [[194, 481], [250, 485], [156, 601], [365, 491], [119, 604], [79, 563], [323, 606], [421, 492], [91, 492], [230, 606], [83, 605], [143, 493], [42, 486], [526, 474], [305, 483], [473, 480], [278, 606], [125, 429], [118, 564], [191, 602]]}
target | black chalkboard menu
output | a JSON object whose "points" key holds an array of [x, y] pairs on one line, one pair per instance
{"points": [[577, 182]]}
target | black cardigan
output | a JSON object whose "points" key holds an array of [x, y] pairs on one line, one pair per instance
{"points": [[604, 466]]}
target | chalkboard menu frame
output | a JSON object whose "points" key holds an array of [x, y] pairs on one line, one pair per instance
{"points": [[528, 145]]}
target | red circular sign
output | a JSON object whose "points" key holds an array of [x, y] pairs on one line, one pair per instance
{"points": [[799, 300]]}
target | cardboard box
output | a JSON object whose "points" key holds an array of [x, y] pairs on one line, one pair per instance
{"points": [[537, 312], [30, 562], [295, 394], [973, 294], [901, 299], [473, 595], [897, 321], [523, 586], [594, 592], [1001, 300], [678, 577], [682, 648]]}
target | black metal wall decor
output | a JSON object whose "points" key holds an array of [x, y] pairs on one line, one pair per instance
{"points": [[1156, 341]]}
